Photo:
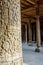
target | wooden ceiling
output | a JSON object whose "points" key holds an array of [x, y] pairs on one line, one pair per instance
{"points": [[28, 9]]}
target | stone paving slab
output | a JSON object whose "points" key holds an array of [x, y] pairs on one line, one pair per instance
{"points": [[30, 57]]}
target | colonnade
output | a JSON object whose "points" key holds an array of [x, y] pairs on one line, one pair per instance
{"points": [[38, 35], [10, 33]]}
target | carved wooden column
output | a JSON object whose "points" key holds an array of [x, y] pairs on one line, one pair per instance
{"points": [[38, 35], [10, 33], [30, 32], [26, 32]]}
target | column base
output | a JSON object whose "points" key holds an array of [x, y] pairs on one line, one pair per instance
{"points": [[30, 43], [37, 50]]}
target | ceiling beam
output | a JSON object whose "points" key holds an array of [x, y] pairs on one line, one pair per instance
{"points": [[23, 1], [27, 4], [28, 9], [32, 9], [23, 4], [28, 16], [31, 2]]}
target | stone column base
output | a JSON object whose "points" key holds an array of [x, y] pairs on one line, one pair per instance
{"points": [[29, 43], [37, 50]]}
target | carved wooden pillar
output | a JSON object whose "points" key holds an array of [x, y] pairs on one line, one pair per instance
{"points": [[38, 35], [10, 33], [26, 32], [30, 32]]}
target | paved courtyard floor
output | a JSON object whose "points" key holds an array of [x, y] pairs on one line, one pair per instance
{"points": [[30, 57]]}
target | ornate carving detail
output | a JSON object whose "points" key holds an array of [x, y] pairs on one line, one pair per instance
{"points": [[10, 31]]}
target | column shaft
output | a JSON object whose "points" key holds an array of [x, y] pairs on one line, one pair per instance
{"points": [[38, 36], [10, 33], [26, 32], [30, 33]]}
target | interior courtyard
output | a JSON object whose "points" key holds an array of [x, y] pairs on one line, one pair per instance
{"points": [[21, 32]]}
